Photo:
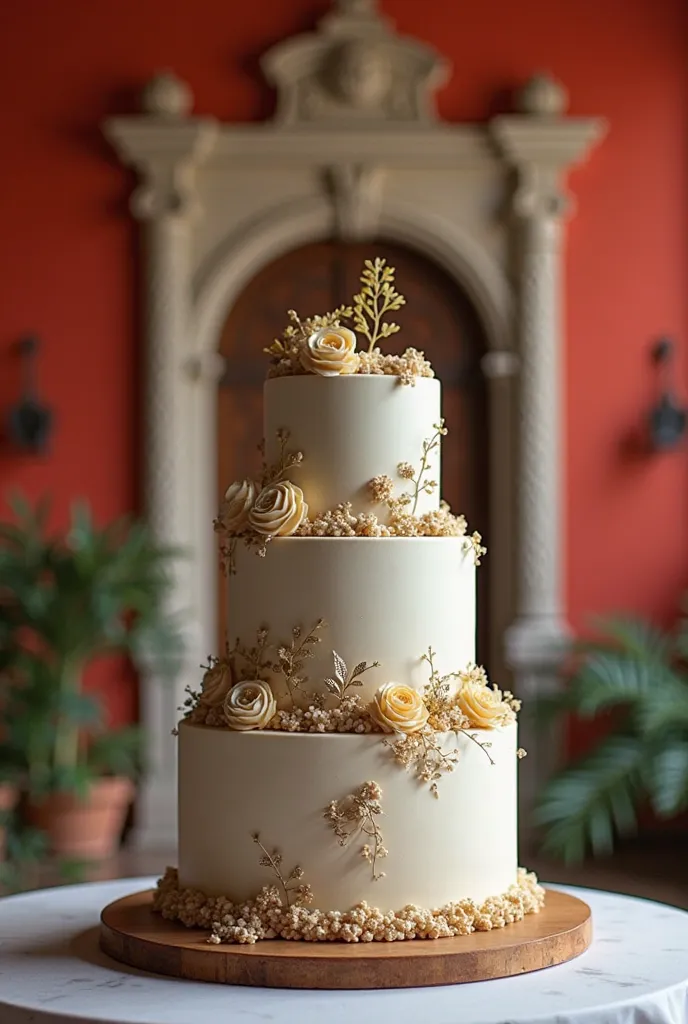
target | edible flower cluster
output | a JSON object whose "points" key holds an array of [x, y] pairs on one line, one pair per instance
{"points": [[324, 345]]}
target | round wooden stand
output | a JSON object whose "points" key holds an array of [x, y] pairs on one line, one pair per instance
{"points": [[132, 934]]}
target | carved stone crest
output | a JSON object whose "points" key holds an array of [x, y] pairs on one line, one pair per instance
{"points": [[354, 70]]}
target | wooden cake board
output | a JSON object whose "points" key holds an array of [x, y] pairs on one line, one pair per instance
{"points": [[131, 933]]}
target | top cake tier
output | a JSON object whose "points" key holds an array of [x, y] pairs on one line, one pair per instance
{"points": [[351, 429]]}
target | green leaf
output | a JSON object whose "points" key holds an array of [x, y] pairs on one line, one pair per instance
{"points": [[635, 637], [607, 679], [118, 752], [666, 708], [583, 805], [80, 708], [666, 777]]}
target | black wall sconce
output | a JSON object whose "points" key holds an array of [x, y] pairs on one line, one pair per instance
{"points": [[668, 417], [29, 421]]}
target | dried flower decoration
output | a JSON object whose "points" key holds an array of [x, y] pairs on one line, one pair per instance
{"points": [[287, 352], [216, 682], [357, 815], [406, 367], [475, 542], [237, 503], [249, 705], [484, 705], [293, 656], [343, 679], [444, 714], [291, 885], [321, 344], [330, 351], [421, 485], [266, 917], [257, 513], [279, 510], [398, 708], [422, 754]]}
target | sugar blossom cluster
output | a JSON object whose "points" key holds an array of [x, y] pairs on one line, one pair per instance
{"points": [[267, 917]]}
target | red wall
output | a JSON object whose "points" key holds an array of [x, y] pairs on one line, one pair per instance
{"points": [[67, 247]]}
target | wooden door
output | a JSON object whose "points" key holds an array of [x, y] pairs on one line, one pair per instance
{"points": [[437, 318]]}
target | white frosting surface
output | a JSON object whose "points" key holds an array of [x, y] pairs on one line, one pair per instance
{"points": [[232, 785], [383, 599], [351, 429]]}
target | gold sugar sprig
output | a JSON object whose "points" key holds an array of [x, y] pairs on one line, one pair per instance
{"points": [[293, 656], [343, 679], [286, 460], [357, 815], [376, 298], [421, 753], [436, 694], [250, 662], [420, 485], [290, 885]]}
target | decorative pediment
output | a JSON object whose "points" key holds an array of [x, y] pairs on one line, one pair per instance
{"points": [[354, 70]]}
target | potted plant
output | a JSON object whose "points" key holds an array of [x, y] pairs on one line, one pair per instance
{"points": [[66, 600], [636, 675], [9, 766]]}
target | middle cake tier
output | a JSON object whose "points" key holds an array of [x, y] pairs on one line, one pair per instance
{"points": [[381, 599]]}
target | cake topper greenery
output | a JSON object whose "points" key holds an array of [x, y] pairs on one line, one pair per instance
{"points": [[324, 345]]}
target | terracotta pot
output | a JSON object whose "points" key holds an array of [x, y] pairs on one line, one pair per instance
{"points": [[9, 794], [85, 829]]}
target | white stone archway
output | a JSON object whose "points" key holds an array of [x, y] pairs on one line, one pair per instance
{"points": [[355, 153]]}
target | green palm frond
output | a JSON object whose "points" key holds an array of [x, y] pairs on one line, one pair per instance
{"points": [[666, 778], [592, 799], [636, 670], [636, 638]]}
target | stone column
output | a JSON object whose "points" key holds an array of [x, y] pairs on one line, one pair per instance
{"points": [[540, 144], [165, 146]]}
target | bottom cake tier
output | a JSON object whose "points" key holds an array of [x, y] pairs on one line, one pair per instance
{"points": [[330, 822]]}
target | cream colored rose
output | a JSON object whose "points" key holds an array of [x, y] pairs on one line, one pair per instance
{"points": [[279, 510], [216, 684], [249, 705], [331, 351], [236, 505], [481, 705], [398, 708]]}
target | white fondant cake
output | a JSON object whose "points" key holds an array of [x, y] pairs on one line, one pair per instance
{"points": [[313, 754], [279, 785], [350, 429], [361, 588]]}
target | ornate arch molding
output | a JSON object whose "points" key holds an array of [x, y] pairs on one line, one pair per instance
{"points": [[217, 202]]}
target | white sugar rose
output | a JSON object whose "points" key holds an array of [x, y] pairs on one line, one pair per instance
{"points": [[249, 705], [236, 505], [398, 708], [279, 510], [483, 707], [330, 352], [216, 684]]}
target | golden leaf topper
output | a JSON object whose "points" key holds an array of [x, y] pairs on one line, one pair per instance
{"points": [[324, 345]]}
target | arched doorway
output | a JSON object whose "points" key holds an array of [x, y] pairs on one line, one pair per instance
{"points": [[438, 319]]}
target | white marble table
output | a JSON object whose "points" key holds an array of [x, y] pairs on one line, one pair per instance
{"points": [[52, 972]]}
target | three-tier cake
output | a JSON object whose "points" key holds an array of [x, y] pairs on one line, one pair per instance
{"points": [[346, 770]]}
